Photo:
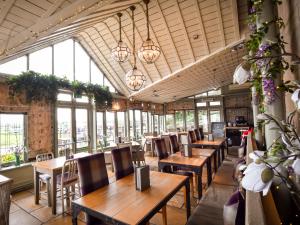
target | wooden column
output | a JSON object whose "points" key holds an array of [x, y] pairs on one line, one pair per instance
{"points": [[276, 108]]}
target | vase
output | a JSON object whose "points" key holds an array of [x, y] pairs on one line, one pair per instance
{"points": [[18, 160]]}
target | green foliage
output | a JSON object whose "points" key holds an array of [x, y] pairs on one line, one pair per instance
{"points": [[39, 87]]}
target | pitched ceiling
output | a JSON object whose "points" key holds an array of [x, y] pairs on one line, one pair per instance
{"points": [[188, 31]]}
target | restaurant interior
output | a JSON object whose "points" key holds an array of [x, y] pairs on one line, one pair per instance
{"points": [[149, 112]]}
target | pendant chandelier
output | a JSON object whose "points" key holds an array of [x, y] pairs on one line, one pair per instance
{"points": [[149, 51], [121, 52], [134, 78]]}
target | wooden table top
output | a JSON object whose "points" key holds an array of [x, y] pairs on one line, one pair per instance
{"points": [[121, 201], [208, 152], [216, 142], [4, 180], [57, 163], [187, 161]]}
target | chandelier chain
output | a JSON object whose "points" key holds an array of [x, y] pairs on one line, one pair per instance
{"points": [[147, 15], [120, 25], [133, 37]]}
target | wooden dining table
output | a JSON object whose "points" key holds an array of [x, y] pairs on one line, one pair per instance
{"points": [[194, 164], [207, 152], [218, 144], [120, 202], [53, 168]]}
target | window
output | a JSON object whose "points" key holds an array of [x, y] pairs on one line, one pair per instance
{"points": [[214, 92], [150, 122], [96, 74], [155, 123], [64, 129], [170, 122], [82, 99], [64, 97], [201, 95], [109, 85], [131, 132], [12, 133], [190, 119], [179, 120], [82, 64], [110, 127], [203, 119], [100, 129], [215, 116], [121, 124], [82, 131], [161, 124], [63, 59], [41, 61], [15, 66], [138, 124], [145, 122], [215, 103], [201, 104]]}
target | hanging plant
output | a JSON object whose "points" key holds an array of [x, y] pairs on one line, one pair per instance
{"points": [[38, 87]]}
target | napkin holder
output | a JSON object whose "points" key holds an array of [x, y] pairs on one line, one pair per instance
{"points": [[187, 148], [69, 154], [142, 177], [211, 137]]}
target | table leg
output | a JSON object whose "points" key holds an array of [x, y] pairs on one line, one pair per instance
{"points": [[209, 173], [36, 186], [53, 193], [188, 200], [152, 149], [219, 156], [199, 184], [223, 152], [215, 162], [75, 212]]}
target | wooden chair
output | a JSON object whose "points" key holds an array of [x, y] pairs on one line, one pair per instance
{"points": [[201, 132], [162, 153], [68, 179], [122, 161], [92, 175], [192, 136], [167, 142], [198, 135], [45, 178], [174, 144]]}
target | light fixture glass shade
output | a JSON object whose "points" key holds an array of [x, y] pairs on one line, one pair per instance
{"points": [[135, 79], [240, 75], [149, 51], [121, 52]]}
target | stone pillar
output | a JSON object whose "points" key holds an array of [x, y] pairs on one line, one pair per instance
{"points": [[276, 108], [255, 107]]}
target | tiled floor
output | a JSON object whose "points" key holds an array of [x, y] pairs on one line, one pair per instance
{"points": [[23, 211]]}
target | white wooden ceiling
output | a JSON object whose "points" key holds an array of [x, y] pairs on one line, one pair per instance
{"points": [[186, 30]]}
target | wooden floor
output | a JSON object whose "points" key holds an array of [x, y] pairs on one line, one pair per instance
{"points": [[23, 211]]}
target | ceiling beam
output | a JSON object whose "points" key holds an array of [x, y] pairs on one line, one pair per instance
{"points": [[171, 41], [140, 36], [201, 26], [53, 8], [155, 39], [108, 63], [235, 20], [46, 26], [187, 39], [220, 23], [5, 7]]}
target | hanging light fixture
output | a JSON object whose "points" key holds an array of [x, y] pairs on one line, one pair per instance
{"points": [[134, 78], [121, 52], [149, 51]]}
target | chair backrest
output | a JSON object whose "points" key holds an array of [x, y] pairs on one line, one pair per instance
{"points": [[198, 135], [69, 172], [201, 132], [44, 156], [124, 145], [155, 134], [92, 173], [192, 136], [160, 147], [174, 143], [167, 142], [122, 161]]}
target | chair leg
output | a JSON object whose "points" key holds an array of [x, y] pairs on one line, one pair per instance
{"points": [[164, 214], [62, 199], [68, 196], [184, 197], [73, 191], [48, 193]]}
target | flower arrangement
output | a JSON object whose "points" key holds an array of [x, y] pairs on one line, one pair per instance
{"points": [[18, 151]]}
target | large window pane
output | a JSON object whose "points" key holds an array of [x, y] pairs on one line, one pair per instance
{"points": [[121, 124], [215, 116], [41, 61], [179, 120], [145, 122], [110, 127], [99, 127], [109, 85], [170, 122], [203, 119], [190, 119], [161, 124], [64, 129], [11, 135], [81, 128], [138, 132], [15, 66], [212, 93], [82, 64], [131, 133], [96, 74], [63, 59], [150, 122], [155, 123]]}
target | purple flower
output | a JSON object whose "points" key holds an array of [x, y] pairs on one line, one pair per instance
{"points": [[252, 27], [260, 53], [269, 89], [252, 10]]}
